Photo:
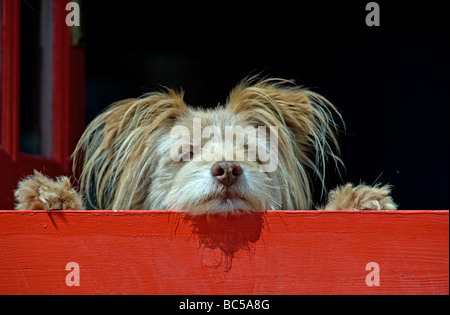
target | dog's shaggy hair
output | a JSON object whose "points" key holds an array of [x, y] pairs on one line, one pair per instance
{"points": [[126, 162]]}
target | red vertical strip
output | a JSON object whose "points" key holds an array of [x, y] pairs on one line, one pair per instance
{"points": [[61, 84], [10, 77], [68, 88], [77, 95]]}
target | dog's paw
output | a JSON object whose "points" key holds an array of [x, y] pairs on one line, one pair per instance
{"points": [[38, 192], [361, 197]]}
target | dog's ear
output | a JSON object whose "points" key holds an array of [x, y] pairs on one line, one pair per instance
{"points": [[305, 121], [151, 111], [117, 144], [305, 116]]}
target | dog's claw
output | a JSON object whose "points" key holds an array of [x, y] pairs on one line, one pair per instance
{"points": [[45, 203]]}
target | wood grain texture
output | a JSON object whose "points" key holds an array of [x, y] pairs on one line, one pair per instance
{"points": [[277, 252]]}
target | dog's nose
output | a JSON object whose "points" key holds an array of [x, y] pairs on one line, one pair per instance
{"points": [[227, 173]]}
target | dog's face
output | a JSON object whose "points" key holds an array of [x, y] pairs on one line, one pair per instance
{"points": [[253, 153], [212, 174]]}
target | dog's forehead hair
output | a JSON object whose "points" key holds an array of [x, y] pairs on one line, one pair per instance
{"points": [[218, 117]]}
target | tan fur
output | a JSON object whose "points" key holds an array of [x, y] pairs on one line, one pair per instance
{"points": [[306, 131], [38, 192], [126, 164], [361, 197], [117, 148]]}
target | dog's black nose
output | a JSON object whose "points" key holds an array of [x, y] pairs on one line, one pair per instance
{"points": [[227, 173]]}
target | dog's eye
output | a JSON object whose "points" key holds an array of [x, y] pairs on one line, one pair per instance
{"points": [[186, 157]]}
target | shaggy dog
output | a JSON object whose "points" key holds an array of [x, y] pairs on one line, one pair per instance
{"points": [[155, 152]]}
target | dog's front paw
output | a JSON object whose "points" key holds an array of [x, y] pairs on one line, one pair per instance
{"points": [[361, 197], [38, 192]]}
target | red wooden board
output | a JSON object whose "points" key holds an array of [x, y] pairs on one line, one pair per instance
{"points": [[277, 252]]}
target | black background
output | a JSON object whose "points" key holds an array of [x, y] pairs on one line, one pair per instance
{"points": [[389, 82]]}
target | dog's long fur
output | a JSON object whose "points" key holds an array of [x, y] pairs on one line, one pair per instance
{"points": [[126, 163]]}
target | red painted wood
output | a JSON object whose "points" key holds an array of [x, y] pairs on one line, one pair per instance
{"points": [[9, 98], [77, 107], [68, 101], [10, 77], [278, 252], [68, 88]]}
